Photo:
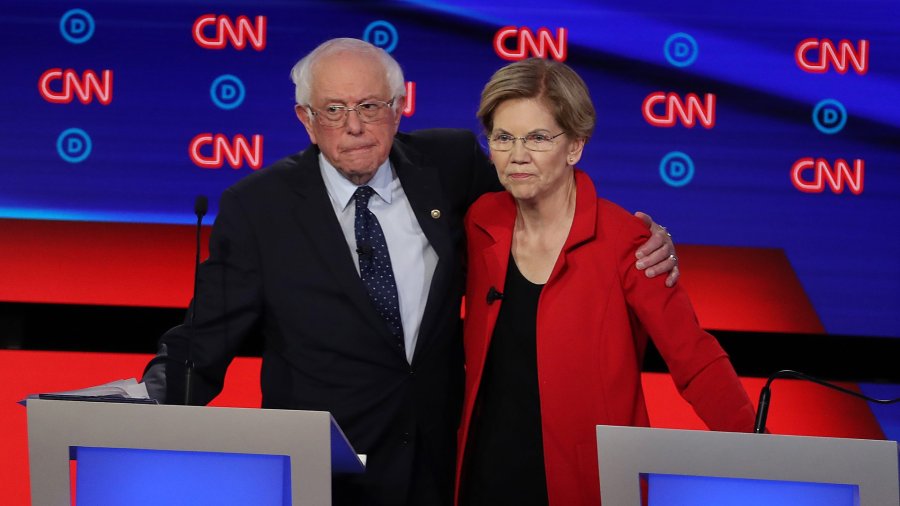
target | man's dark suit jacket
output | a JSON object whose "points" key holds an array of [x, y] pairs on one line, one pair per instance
{"points": [[281, 271]]}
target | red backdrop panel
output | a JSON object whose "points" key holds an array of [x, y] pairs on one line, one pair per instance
{"points": [[752, 289], [116, 264], [732, 288]]}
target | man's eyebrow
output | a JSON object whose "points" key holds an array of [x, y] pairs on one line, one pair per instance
{"points": [[367, 98]]}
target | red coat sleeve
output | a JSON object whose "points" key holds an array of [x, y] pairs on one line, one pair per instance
{"points": [[700, 368]]}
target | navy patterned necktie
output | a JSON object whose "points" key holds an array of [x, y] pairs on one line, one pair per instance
{"points": [[375, 263]]}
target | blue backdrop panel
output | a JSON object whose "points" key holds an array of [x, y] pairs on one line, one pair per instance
{"points": [[791, 81]]}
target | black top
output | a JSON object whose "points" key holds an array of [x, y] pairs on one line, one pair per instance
{"points": [[505, 457]]}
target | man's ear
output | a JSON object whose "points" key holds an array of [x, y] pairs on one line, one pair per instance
{"points": [[398, 114], [305, 117]]}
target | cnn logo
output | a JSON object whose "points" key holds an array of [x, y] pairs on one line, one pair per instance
{"points": [[689, 111], [842, 56], [209, 151], [813, 175], [62, 86], [224, 31], [527, 44]]}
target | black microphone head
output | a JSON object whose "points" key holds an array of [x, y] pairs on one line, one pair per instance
{"points": [[201, 205]]}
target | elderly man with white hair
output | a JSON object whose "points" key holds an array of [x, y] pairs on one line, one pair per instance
{"points": [[346, 260]]}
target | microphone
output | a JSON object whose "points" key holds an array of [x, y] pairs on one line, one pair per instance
{"points": [[493, 295], [364, 250], [765, 395], [201, 205]]}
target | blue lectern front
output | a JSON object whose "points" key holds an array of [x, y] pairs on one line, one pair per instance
{"points": [[145, 454], [689, 467]]}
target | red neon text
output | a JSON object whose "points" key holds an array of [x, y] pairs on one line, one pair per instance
{"points": [[409, 106], [689, 111], [223, 148], [85, 87], [526, 46], [841, 58], [825, 174], [238, 33]]}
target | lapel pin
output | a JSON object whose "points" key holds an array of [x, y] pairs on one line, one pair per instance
{"points": [[435, 213]]}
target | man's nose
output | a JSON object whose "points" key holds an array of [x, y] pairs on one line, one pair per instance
{"points": [[354, 123]]}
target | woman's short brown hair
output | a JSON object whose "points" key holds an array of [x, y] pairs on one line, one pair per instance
{"points": [[563, 91]]}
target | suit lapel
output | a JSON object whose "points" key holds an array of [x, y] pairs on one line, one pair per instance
{"points": [[497, 222], [423, 190], [315, 215]]}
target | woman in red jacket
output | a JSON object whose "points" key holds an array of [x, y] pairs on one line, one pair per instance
{"points": [[557, 318]]}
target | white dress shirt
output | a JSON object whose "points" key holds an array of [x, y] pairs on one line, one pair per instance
{"points": [[407, 244]]}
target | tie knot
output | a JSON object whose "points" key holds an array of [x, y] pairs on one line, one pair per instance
{"points": [[362, 195]]}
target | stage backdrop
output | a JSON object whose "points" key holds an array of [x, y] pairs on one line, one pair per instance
{"points": [[765, 126]]}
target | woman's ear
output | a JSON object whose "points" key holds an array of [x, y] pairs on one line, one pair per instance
{"points": [[576, 147]]}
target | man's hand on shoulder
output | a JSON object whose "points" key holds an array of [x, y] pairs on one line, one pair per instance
{"points": [[657, 255]]}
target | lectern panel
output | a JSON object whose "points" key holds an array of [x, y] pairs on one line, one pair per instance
{"points": [[680, 490], [116, 476]]}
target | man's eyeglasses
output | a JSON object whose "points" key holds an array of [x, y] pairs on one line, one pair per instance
{"points": [[531, 142], [334, 116]]}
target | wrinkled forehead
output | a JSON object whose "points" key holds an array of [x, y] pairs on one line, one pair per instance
{"points": [[348, 76]]}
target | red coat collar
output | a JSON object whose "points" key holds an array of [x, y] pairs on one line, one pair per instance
{"points": [[498, 218]]}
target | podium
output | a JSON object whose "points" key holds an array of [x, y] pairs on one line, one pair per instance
{"points": [[303, 447], [690, 467]]}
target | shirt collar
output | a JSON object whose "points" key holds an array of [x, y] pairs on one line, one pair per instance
{"points": [[342, 190]]}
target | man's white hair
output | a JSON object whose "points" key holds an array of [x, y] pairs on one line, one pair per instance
{"points": [[302, 73]]}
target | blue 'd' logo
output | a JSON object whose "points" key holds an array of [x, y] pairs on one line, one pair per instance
{"points": [[227, 92], [681, 49], [381, 34], [77, 26], [73, 145], [676, 169], [829, 116]]}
